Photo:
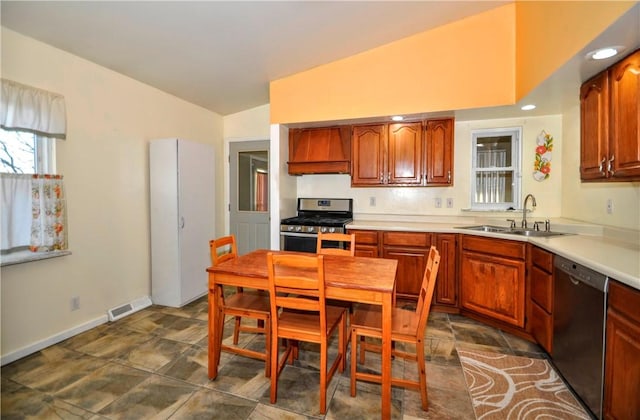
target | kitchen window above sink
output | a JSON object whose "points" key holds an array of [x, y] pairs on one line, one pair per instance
{"points": [[495, 172]]}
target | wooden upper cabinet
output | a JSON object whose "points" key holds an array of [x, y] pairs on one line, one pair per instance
{"points": [[610, 123], [624, 82], [320, 150], [405, 154], [369, 144], [439, 148], [594, 127]]}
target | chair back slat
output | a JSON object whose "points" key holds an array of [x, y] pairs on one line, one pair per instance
{"points": [[223, 249], [343, 238], [302, 291], [427, 287]]}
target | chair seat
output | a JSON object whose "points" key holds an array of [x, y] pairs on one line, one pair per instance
{"points": [[293, 323], [369, 317], [249, 301], [407, 326]]}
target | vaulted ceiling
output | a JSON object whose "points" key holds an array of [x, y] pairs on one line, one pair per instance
{"points": [[221, 55]]}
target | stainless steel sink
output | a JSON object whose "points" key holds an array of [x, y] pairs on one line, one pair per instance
{"points": [[534, 233], [513, 231], [487, 228]]}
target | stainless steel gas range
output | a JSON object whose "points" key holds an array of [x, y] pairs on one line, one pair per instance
{"points": [[300, 233]]}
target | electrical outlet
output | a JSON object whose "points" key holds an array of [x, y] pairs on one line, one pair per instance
{"points": [[372, 201], [75, 303], [438, 202], [449, 203], [609, 206]]}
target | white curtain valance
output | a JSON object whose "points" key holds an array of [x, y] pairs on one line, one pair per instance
{"points": [[32, 109]]}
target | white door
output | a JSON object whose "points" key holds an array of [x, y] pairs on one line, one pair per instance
{"points": [[249, 194]]}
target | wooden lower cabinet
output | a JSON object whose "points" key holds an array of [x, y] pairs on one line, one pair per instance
{"points": [[366, 243], [541, 297], [541, 323], [411, 249], [492, 279], [446, 292], [622, 363]]}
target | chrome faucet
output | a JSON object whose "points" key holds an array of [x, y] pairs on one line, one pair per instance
{"points": [[524, 209]]}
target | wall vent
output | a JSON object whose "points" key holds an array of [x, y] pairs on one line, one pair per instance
{"points": [[128, 308]]}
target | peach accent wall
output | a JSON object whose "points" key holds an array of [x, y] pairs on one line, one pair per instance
{"points": [[549, 33], [465, 64]]}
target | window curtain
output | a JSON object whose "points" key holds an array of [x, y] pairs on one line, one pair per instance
{"points": [[262, 191], [16, 210], [34, 212], [30, 109], [49, 212], [490, 185]]}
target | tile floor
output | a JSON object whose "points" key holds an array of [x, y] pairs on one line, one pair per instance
{"points": [[153, 364]]}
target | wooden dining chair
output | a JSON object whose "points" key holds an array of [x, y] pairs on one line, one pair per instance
{"points": [[342, 238], [242, 304], [299, 313], [408, 326]]}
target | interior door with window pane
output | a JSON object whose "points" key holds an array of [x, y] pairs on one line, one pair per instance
{"points": [[249, 194]]}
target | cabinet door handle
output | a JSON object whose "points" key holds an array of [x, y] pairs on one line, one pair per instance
{"points": [[181, 222], [610, 165], [449, 176], [381, 177], [601, 166]]}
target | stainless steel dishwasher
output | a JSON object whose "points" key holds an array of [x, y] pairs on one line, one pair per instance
{"points": [[579, 316]]}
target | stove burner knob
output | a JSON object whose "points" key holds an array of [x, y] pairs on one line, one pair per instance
{"points": [[323, 229], [310, 229], [298, 228], [290, 228], [331, 230]]}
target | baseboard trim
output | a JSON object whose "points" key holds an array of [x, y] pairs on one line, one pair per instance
{"points": [[54, 339]]}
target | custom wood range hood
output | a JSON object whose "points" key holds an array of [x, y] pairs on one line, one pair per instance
{"points": [[325, 150]]}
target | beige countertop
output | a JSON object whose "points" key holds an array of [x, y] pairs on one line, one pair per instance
{"points": [[589, 245]]}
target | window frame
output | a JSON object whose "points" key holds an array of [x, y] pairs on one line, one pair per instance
{"points": [[44, 152], [515, 168]]}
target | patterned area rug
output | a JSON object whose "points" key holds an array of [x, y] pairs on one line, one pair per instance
{"points": [[512, 387]]}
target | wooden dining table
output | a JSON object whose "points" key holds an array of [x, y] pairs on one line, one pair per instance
{"points": [[353, 279]]}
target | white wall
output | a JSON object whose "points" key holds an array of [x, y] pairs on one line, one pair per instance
{"points": [[421, 200], [249, 125], [588, 201], [104, 160]]}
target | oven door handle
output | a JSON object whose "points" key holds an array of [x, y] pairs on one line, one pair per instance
{"points": [[300, 235]]}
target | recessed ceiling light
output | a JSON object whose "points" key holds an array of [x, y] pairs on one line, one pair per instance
{"points": [[528, 107], [397, 118], [604, 53]]}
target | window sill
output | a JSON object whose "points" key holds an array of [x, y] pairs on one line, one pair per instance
{"points": [[26, 256]]}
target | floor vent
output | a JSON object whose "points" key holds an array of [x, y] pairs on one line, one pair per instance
{"points": [[128, 308]]}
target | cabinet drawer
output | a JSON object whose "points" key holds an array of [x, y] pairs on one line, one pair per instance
{"points": [[625, 300], [502, 248], [542, 288], [412, 239], [369, 237], [542, 327], [542, 259]]}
